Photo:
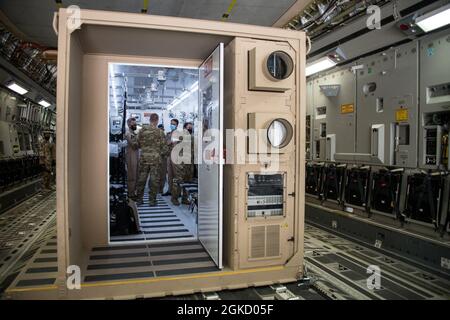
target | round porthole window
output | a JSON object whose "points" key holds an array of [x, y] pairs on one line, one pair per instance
{"points": [[279, 133], [280, 65]]}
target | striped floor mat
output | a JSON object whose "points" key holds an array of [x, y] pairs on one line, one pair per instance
{"points": [[147, 261], [158, 222], [108, 263]]}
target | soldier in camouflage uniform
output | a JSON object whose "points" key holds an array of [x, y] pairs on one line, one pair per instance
{"points": [[153, 145], [46, 159], [163, 173], [172, 135], [182, 170]]}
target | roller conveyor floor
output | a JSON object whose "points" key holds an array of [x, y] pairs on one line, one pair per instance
{"points": [[345, 263], [336, 267]]}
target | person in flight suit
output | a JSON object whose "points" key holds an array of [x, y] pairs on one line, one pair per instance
{"points": [[132, 157], [46, 159], [182, 164], [171, 135], [153, 146]]}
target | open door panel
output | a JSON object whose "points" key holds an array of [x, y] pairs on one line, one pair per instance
{"points": [[210, 161]]}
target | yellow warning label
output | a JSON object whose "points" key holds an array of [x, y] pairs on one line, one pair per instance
{"points": [[402, 115], [347, 108]]}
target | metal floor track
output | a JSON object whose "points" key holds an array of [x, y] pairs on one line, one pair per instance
{"points": [[337, 270], [21, 192], [344, 263], [23, 231]]}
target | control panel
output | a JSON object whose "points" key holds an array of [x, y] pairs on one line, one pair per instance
{"points": [[432, 143], [116, 125], [265, 195]]}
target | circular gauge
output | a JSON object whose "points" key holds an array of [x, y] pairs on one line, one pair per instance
{"points": [[280, 65], [279, 133]]}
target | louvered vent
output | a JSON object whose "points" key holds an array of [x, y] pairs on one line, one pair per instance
{"points": [[258, 242], [273, 241], [265, 242]]}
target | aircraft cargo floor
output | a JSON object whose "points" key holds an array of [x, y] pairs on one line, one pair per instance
{"points": [[336, 267]]}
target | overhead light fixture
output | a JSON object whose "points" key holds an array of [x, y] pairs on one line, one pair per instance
{"points": [[16, 88], [435, 19], [319, 65], [177, 100], [44, 103]]}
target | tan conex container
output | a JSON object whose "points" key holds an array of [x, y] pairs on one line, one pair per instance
{"points": [[82, 145]]}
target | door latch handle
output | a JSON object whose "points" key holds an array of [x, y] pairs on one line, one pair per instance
{"points": [[291, 194], [291, 239]]}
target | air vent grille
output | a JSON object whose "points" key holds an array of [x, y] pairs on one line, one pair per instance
{"points": [[258, 242], [273, 241], [264, 242]]}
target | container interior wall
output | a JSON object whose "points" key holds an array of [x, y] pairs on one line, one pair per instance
{"points": [[94, 155]]}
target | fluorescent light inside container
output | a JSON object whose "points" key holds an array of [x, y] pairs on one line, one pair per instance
{"points": [[44, 103], [183, 96], [319, 65], [16, 88], [435, 19]]}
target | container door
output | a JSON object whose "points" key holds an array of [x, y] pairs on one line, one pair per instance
{"points": [[210, 159]]}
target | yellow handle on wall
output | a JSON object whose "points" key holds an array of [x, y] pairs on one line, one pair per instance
{"points": [[145, 7], [226, 15]]}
